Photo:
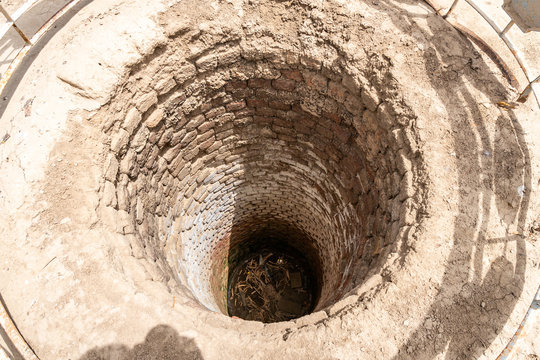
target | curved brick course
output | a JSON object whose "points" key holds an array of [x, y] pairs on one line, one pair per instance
{"points": [[208, 159]]}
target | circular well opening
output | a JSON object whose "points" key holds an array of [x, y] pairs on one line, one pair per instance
{"points": [[282, 168]]}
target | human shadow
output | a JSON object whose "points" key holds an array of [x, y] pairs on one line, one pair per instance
{"points": [[473, 303], [161, 343]]}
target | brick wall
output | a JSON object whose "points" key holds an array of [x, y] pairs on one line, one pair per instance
{"points": [[210, 153]]}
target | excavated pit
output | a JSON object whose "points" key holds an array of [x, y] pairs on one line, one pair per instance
{"points": [[153, 163], [255, 157]]}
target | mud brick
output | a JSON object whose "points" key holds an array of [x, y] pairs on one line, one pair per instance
{"points": [[259, 83], [235, 105], [284, 84], [279, 105], [292, 74], [253, 102], [234, 85]]}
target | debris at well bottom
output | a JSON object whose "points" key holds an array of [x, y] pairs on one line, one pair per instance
{"points": [[270, 287]]}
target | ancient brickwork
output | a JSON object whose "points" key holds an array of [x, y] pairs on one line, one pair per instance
{"points": [[207, 153]]}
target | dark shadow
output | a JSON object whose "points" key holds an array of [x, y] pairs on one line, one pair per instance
{"points": [[34, 52], [473, 304], [161, 343], [280, 208], [279, 251], [11, 351]]}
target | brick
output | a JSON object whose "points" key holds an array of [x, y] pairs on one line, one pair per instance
{"points": [[165, 85], [132, 120], [254, 103], [216, 145], [205, 126], [206, 135], [189, 154], [337, 91], [179, 168], [268, 94], [283, 130], [259, 83], [316, 81], [146, 101], [332, 116], [353, 104], [229, 56], [235, 105], [122, 197], [263, 120], [204, 145], [109, 194], [224, 134], [294, 115], [207, 63], [119, 141], [172, 152], [189, 137], [150, 161], [284, 84], [195, 122], [155, 135], [127, 162], [264, 111], [179, 135], [279, 105], [154, 118], [341, 133], [242, 93], [139, 211], [166, 137], [215, 112], [234, 85], [370, 98], [112, 168], [293, 75], [184, 72], [224, 120]]}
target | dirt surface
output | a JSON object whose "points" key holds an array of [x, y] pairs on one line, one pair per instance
{"points": [[456, 281]]}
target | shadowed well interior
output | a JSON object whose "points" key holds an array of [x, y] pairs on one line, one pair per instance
{"points": [[237, 158]]}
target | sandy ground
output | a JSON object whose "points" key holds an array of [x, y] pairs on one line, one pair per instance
{"points": [[529, 349]]}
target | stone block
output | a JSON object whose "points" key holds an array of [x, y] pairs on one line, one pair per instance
{"points": [[284, 84], [109, 194], [259, 83], [119, 141], [370, 98], [215, 112], [111, 168], [337, 91], [155, 118], [195, 122], [235, 105], [184, 72], [165, 85], [132, 120], [146, 101], [316, 81], [207, 62], [292, 74]]}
